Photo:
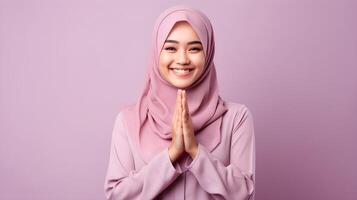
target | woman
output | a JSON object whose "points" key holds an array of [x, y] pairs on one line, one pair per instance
{"points": [[181, 140]]}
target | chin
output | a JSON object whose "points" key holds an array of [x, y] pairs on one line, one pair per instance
{"points": [[181, 85]]}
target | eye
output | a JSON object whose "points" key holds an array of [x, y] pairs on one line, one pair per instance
{"points": [[170, 49], [196, 49]]}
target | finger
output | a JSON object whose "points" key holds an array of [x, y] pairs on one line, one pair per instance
{"points": [[185, 103], [179, 110], [178, 99], [179, 123], [184, 120], [184, 106], [184, 113], [174, 119], [183, 100]]}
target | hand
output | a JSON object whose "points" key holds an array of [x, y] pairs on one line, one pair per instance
{"points": [[177, 144], [191, 146]]}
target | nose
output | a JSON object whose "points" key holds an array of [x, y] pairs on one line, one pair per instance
{"points": [[182, 58]]}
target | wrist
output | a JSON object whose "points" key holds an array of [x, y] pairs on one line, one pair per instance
{"points": [[193, 152], [172, 154]]}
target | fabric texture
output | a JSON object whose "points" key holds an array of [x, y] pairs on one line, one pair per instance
{"points": [[228, 172]]}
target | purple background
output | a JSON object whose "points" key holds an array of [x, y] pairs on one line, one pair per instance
{"points": [[67, 68]]}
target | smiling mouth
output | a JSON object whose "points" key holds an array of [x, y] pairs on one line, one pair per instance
{"points": [[182, 73]]}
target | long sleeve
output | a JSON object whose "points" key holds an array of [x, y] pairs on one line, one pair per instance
{"points": [[237, 180], [124, 182]]}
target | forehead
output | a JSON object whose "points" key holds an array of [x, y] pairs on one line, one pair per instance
{"points": [[182, 30], [167, 25]]}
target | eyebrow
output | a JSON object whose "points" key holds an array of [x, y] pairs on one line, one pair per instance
{"points": [[192, 42]]}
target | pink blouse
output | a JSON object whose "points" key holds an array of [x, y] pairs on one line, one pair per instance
{"points": [[228, 172]]}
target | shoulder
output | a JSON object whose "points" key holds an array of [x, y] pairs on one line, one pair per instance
{"points": [[237, 109], [124, 115], [239, 113], [125, 112]]}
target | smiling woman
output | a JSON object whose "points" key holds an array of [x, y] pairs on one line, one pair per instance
{"points": [[181, 140]]}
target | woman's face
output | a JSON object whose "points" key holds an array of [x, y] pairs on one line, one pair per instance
{"points": [[182, 57]]}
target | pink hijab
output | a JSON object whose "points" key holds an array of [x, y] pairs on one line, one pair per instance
{"points": [[150, 121]]}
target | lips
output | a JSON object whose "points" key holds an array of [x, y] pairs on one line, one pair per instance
{"points": [[182, 72]]}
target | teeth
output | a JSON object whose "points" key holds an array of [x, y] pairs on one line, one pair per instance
{"points": [[182, 71]]}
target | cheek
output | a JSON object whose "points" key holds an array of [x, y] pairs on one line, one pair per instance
{"points": [[199, 61], [164, 62]]}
